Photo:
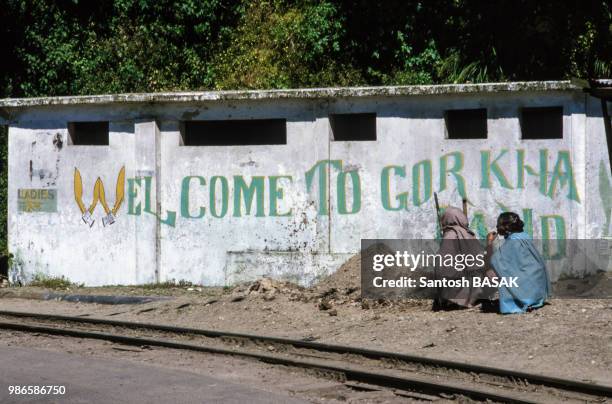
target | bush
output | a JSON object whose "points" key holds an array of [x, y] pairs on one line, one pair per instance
{"points": [[280, 44], [171, 284], [53, 282]]}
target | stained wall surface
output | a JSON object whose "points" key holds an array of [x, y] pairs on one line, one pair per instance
{"points": [[219, 215]]}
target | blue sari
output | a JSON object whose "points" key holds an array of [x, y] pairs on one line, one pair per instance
{"points": [[518, 257]]}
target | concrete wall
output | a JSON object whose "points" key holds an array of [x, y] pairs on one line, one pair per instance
{"points": [[329, 194]]}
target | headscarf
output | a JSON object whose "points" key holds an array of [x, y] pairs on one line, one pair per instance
{"points": [[455, 220], [457, 239]]}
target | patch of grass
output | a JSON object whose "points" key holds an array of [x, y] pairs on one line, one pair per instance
{"points": [[171, 284], [53, 282]]}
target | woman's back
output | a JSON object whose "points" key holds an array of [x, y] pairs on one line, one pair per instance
{"points": [[518, 259]]}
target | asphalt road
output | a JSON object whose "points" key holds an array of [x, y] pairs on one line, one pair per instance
{"points": [[95, 380]]}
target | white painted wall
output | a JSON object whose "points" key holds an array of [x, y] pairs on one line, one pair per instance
{"points": [[305, 245]]}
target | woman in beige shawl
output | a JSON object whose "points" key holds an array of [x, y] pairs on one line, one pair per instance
{"points": [[458, 239]]}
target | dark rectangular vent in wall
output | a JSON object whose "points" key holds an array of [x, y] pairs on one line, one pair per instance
{"points": [[88, 133], [466, 123], [542, 123], [235, 132], [356, 127]]}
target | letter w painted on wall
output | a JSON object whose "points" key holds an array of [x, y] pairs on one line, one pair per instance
{"points": [[99, 196]]}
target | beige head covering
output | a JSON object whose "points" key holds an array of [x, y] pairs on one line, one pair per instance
{"points": [[459, 239], [455, 220]]}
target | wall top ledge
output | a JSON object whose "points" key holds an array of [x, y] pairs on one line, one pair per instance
{"points": [[306, 93]]}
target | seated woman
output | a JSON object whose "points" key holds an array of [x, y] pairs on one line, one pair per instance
{"points": [[458, 239], [517, 257]]}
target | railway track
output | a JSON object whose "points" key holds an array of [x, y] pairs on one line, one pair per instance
{"points": [[407, 375]]}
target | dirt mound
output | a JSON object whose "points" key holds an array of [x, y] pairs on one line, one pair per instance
{"points": [[265, 288], [344, 286], [348, 276], [340, 288]]}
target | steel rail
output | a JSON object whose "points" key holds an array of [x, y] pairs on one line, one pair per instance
{"points": [[531, 378], [382, 379]]}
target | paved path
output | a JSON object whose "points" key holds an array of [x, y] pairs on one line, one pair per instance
{"points": [[95, 380]]}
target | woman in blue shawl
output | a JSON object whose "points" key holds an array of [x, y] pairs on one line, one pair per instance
{"points": [[517, 257]]}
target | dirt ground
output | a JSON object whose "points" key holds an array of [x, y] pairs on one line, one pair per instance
{"points": [[284, 384], [566, 338]]}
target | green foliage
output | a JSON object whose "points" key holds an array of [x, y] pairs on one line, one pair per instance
{"points": [[77, 47], [278, 45], [53, 282], [171, 284], [414, 68], [154, 46], [113, 46], [455, 72]]}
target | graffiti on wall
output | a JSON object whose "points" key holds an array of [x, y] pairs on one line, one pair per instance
{"points": [[401, 188], [99, 195], [37, 200]]}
